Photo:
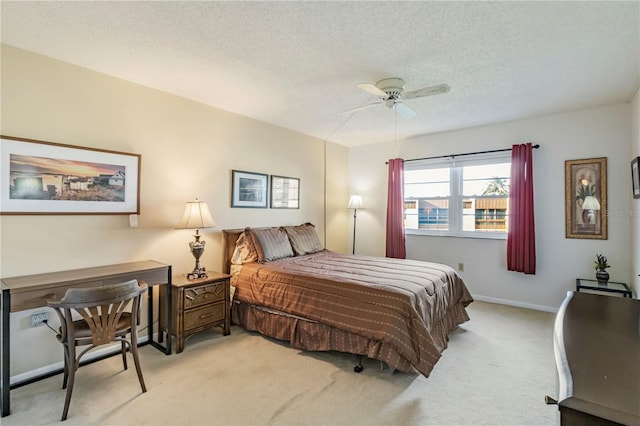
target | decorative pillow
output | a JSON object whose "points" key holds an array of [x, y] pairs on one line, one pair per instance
{"points": [[304, 239], [234, 271], [271, 244], [245, 251]]}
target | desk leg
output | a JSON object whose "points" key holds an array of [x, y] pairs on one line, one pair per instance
{"points": [[167, 347], [5, 372], [168, 310]]}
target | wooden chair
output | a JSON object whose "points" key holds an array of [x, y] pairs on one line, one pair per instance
{"points": [[105, 319]]}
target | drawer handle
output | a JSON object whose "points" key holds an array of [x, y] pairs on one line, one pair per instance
{"points": [[203, 316]]}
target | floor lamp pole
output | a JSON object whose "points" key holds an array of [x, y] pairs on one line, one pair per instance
{"points": [[354, 232]]}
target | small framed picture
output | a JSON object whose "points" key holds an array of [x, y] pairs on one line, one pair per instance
{"points": [[249, 189], [635, 178], [285, 192]]}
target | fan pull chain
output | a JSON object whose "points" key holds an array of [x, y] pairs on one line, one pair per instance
{"points": [[395, 130]]}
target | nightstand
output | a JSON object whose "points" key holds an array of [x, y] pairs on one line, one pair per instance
{"points": [[197, 305]]}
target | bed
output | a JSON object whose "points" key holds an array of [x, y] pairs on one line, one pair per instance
{"points": [[285, 285]]}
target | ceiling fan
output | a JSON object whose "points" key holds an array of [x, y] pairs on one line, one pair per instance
{"points": [[390, 93]]}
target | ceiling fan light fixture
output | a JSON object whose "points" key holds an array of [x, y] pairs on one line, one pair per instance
{"points": [[390, 93], [391, 86]]}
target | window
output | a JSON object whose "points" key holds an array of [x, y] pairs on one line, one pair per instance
{"points": [[468, 197]]}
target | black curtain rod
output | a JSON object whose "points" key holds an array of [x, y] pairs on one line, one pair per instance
{"points": [[460, 155]]}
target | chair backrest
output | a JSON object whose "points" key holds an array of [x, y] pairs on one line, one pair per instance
{"points": [[100, 307]]}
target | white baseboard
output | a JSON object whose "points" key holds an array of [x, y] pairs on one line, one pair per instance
{"points": [[515, 303], [106, 350]]}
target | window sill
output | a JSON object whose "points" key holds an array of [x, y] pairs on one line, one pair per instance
{"points": [[484, 236]]}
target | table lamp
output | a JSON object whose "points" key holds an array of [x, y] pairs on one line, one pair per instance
{"points": [[196, 216]]}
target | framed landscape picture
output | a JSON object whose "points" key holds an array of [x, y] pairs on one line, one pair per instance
{"points": [[586, 198], [285, 192], [249, 189], [40, 177]]}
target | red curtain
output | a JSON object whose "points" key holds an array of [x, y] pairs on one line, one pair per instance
{"points": [[521, 240], [395, 210]]}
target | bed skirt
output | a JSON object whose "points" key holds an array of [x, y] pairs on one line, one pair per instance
{"points": [[313, 336]]}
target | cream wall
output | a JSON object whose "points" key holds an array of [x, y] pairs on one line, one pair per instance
{"points": [[596, 132], [337, 197], [635, 204], [188, 150]]}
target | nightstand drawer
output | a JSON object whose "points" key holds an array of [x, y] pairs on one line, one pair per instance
{"points": [[203, 295], [203, 316]]}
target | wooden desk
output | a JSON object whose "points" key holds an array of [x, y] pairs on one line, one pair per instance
{"points": [[597, 351], [29, 292]]}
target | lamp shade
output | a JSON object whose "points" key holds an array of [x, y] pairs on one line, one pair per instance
{"points": [[590, 203], [196, 216], [355, 202]]}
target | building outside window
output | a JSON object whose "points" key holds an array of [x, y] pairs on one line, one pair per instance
{"points": [[468, 197]]}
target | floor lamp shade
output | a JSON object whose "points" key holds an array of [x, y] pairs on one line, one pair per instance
{"points": [[355, 202], [196, 216]]}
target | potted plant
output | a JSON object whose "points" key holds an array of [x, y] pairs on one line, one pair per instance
{"points": [[601, 269]]}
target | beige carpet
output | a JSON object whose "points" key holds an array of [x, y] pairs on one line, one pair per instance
{"points": [[496, 371]]}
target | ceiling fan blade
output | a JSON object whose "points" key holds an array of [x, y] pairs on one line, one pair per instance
{"points": [[372, 90], [427, 91], [360, 108], [404, 110]]}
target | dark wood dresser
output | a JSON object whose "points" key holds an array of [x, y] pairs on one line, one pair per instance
{"points": [[597, 351]]}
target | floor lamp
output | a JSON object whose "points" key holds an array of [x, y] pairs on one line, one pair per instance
{"points": [[355, 203]]}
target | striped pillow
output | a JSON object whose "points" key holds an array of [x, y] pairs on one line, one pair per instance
{"points": [[271, 244], [304, 239]]}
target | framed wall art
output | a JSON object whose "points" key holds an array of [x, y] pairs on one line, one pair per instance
{"points": [[586, 198], [635, 177], [285, 192], [40, 177], [249, 189]]}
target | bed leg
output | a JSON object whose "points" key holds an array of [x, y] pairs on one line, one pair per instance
{"points": [[358, 368]]}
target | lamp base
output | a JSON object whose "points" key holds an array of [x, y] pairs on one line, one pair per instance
{"points": [[197, 248], [197, 273]]}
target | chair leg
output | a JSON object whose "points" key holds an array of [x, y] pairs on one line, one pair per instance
{"points": [[136, 359], [71, 379], [66, 367], [124, 354]]}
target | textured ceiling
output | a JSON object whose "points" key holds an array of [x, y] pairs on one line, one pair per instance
{"points": [[297, 64]]}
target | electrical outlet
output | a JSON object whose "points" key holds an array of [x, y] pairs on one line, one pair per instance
{"points": [[38, 319], [460, 266]]}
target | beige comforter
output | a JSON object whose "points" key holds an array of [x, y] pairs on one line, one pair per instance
{"points": [[410, 305]]}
